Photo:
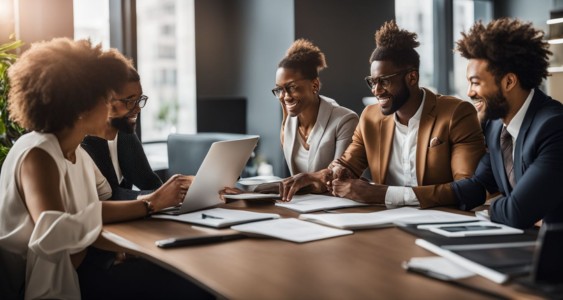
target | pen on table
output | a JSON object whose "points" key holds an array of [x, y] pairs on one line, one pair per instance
{"points": [[206, 216], [444, 278]]}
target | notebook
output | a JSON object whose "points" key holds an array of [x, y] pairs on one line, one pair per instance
{"points": [[220, 168]]}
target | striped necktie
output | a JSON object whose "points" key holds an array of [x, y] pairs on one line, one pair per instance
{"points": [[506, 147]]}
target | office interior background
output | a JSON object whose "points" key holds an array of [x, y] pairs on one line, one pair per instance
{"points": [[209, 65]]}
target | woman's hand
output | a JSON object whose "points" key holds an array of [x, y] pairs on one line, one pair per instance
{"points": [[171, 193], [305, 182]]}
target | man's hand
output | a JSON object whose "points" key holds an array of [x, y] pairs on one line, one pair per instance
{"points": [[359, 190], [304, 182], [337, 172]]}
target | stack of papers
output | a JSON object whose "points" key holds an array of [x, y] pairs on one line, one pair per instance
{"points": [[312, 202], [386, 218], [219, 217], [261, 184], [291, 229]]}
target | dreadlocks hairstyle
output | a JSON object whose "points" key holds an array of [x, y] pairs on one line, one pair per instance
{"points": [[396, 45], [509, 46], [305, 57]]}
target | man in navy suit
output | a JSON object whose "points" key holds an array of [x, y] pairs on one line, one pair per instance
{"points": [[508, 60]]}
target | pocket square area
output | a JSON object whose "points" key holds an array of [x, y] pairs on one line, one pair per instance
{"points": [[435, 141]]}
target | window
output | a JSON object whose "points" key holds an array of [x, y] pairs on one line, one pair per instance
{"points": [[91, 20], [417, 16], [166, 63], [465, 13]]}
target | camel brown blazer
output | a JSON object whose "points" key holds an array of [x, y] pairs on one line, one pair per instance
{"points": [[449, 145]]}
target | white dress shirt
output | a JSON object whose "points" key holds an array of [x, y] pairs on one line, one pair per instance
{"points": [[514, 126], [401, 175], [112, 145]]}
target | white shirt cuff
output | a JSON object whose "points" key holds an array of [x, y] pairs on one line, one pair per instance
{"points": [[398, 196]]}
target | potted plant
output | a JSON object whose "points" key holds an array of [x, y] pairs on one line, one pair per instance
{"points": [[9, 131]]}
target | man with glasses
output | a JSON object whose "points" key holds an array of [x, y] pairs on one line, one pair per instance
{"points": [[414, 142], [119, 154]]}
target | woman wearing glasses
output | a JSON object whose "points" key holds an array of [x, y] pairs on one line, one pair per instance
{"points": [[119, 154], [315, 130]]}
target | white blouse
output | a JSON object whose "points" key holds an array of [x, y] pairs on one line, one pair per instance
{"points": [[39, 255]]}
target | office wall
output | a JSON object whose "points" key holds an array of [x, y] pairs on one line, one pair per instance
{"points": [[536, 11], [240, 42], [344, 30], [238, 46], [43, 20]]}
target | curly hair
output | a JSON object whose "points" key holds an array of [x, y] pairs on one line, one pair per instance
{"points": [[396, 45], [54, 82], [509, 46], [305, 57]]}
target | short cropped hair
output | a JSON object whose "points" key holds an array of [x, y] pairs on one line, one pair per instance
{"points": [[54, 82], [396, 45], [304, 57], [509, 46]]}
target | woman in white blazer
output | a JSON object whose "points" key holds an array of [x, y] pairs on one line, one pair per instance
{"points": [[315, 130]]}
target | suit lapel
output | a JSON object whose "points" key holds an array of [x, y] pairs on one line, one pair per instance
{"points": [[289, 137], [387, 127], [537, 101], [325, 110], [427, 120]]}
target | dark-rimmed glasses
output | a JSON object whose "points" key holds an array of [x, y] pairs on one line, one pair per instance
{"points": [[289, 88], [383, 81], [132, 103]]}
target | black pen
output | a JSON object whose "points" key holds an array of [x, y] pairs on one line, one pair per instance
{"points": [[444, 278], [199, 240], [206, 216]]}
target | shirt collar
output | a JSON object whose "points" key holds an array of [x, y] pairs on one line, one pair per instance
{"points": [[416, 116], [514, 126]]}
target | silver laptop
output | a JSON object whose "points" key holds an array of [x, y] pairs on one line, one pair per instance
{"points": [[220, 168]]}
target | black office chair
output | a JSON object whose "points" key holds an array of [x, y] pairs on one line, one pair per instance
{"points": [[187, 151]]}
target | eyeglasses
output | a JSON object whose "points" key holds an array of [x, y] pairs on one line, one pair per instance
{"points": [[289, 88], [383, 81], [131, 103]]}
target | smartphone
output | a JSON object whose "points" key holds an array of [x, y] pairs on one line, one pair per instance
{"points": [[463, 228]]}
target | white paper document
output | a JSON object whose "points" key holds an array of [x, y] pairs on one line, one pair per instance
{"points": [[438, 265], [312, 202], [219, 217], [385, 218], [291, 229], [260, 184], [252, 196], [471, 229]]}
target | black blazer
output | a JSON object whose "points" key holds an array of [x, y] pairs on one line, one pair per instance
{"points": [[132, 161], [538, 169]]}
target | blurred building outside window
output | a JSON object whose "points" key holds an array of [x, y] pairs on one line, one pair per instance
{"points": [[166, 64]]}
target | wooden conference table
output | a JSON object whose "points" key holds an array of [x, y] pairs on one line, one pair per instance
{"points": [[364, 265]]}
